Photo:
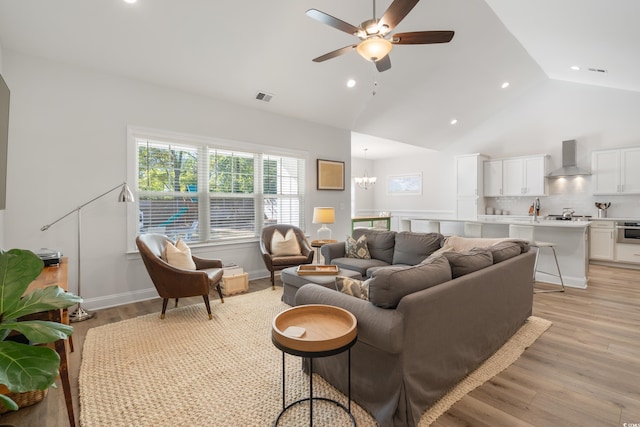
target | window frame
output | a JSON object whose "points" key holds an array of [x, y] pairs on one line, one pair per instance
{"points": [[260, 152]]}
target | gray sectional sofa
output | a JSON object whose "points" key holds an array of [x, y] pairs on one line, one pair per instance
{"points": [[426, 326], [386, 248]]}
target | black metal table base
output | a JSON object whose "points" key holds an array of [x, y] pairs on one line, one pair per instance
{"points": [[310, 399]]}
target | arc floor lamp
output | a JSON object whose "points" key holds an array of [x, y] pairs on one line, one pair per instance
{"points": [[125, 196]]}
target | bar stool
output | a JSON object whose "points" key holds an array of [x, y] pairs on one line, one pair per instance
{"points": [[527, 232]]}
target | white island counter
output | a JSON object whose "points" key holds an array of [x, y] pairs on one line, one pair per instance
{"points": [[570, 238]]}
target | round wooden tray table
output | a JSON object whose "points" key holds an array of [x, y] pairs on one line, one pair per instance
{"points": [[314, 330]]}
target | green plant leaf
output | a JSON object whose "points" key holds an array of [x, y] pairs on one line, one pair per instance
{"points": [[39, 331], [26, 367], [18, 268], [8, 403], [49, 298]]}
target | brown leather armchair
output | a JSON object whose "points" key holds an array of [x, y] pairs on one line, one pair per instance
{"points": [[172, 282], [274, 263]]}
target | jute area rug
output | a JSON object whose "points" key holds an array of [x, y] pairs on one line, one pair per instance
{"points": [[187, 370]]}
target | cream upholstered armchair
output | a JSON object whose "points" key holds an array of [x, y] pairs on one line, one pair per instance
{"points": [[174, 282], [289, 248]]}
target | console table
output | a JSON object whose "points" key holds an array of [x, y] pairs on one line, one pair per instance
{"points": [[370, 220], [51, 276]]}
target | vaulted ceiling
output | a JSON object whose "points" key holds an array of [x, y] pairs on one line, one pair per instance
{"points": [[232, 50]]}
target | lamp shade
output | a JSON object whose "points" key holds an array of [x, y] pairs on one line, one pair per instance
{"points": [[374, 48], [324, 215]]}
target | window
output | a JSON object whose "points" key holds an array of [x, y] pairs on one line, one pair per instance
{"points": [[204, 191]]}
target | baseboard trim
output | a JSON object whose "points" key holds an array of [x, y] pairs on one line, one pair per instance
{"points": [[123, 298]]}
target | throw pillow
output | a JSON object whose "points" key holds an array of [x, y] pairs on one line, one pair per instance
{"points": [[462, 244], [380, 243], [286, 245], [179, 255], [504, 250], [356, 248], [413, 248], [467, 262], [388, 286], [353, 287]]}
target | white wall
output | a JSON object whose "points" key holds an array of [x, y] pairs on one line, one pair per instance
{"points": [[68, 145], [537, 123]]}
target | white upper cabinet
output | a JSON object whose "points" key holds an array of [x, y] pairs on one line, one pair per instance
{"points": [[468, 175], [520, 176], [469, 186], [493, 178], [616, 171]]}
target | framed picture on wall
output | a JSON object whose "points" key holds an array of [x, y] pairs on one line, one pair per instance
{"points": [[404, 185], [330, 175]]}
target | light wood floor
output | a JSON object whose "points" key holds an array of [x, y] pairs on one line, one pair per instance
{"points": [[584, 371]]}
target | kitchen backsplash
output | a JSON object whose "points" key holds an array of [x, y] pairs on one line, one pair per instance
{"points": [[570, 193]]}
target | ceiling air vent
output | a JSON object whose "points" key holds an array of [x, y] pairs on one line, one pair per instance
{"points": [[263, 96]]}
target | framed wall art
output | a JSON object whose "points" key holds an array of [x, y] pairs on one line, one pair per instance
{"points": [[404, 185], [330, 175]]}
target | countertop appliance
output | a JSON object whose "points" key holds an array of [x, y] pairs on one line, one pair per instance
{"points": [[628, 232]]}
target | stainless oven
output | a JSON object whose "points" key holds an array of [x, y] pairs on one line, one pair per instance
{"points": [[628, 232]]}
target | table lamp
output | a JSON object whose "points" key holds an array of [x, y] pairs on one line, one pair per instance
{"points": [[324, 216]]}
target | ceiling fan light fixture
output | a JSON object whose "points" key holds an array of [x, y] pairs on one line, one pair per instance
{"points": [[374, 48]]}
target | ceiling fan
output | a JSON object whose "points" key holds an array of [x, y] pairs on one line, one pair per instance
{"points": [[376, 41]]}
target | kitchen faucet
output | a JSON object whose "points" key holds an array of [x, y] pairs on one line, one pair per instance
{"points": [[536, 209]]}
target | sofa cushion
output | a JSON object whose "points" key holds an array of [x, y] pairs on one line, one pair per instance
{"points": [[413, 248], [467, 262], [356, 248], [504, 250], [388, 286], [379, 242], [359, 265], [286, 245], [354, 287]]}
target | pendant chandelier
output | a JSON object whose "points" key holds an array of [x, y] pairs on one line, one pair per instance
{"points": [[365, 181]]}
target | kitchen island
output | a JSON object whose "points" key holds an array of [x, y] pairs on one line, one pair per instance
{"points": [[570, 238]]}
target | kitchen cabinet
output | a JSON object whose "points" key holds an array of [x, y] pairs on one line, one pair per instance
{"points": [[616, 171], [627, 253], [469, 186], [493, 178], [518, 176], [601, 240]]}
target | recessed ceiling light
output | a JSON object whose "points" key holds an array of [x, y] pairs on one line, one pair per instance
{"points": [[575, 68], [130, 1], [453, 121], [351, 83], [505, 85]]}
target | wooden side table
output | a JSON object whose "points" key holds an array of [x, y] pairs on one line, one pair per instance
{"points": [[50, 276], [314, 330]]}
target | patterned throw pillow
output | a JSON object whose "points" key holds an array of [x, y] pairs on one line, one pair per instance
{"points": [[356, 248], [353, 287]]}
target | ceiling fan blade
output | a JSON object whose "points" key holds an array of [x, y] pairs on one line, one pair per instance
{"points": [[331, 21], [335, 53], [396, 12], [383, 64], [422, 37]]}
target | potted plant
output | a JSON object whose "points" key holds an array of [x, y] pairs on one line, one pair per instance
{"points": [[28, 367]]}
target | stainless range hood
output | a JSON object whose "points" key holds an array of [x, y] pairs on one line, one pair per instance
{"points": [[569, 164]]}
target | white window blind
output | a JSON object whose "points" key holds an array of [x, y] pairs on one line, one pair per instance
{"points": [[205, 193]]}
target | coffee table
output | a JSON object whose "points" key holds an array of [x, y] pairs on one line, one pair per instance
{"points": [[314, 330]]}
